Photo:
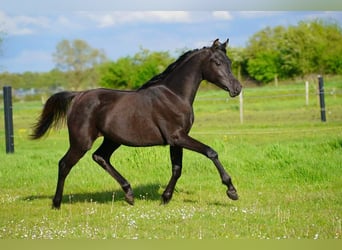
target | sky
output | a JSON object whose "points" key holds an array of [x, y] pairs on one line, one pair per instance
{"points": [[32, 29]]}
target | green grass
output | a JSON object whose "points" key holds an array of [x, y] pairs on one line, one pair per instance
{"points": [[285, 163]]}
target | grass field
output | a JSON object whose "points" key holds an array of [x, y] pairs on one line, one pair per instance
{"points": [[285, 163]]}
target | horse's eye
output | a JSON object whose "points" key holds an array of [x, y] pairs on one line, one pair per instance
{"points": [[217, 62]]}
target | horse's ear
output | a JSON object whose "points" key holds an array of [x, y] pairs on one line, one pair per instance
{"points": [[216, 44], [220, 46], [226, 43]]}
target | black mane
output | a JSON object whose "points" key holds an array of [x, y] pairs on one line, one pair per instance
{"points": [[157, 78]]}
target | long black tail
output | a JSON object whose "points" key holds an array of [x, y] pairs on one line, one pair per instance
{"points": [[53, 114]]}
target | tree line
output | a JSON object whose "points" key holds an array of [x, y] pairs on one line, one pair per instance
{"points": [[310, 47], [294, 51]]}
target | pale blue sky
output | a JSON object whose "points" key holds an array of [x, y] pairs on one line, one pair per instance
{"points": [[32, 33]]}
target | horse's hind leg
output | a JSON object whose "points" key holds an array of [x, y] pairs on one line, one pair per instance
{"points": [[102, 157], [64, 166]]}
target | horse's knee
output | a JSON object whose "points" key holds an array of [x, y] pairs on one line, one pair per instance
{"points": [[212, 154], [97, 158], [63, 169], [177, 171]]}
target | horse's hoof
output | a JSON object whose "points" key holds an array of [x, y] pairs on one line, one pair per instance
{"points": [[56, 205], [166, 197], [129, 200], [232, 194], [165, 201]]}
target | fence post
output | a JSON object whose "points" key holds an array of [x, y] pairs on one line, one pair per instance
{"points": [[241, 106], [321, 97], [9, 135], [307, 93]]}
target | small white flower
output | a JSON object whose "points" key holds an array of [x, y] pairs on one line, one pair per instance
{"points": [[316, 236]]}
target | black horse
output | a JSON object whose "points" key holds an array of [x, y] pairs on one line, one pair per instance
{"points": [[158, 113]]}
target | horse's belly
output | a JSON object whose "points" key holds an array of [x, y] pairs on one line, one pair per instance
{"points": [[134, 131]]}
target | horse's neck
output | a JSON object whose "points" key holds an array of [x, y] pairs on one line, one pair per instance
{"points": [[185, 79]]}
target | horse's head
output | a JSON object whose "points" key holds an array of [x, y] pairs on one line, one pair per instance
{"points": [[217, 69]]}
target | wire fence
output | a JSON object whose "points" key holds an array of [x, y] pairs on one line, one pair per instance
{"points": [[288, 106], [294, 92], [275, 97]]}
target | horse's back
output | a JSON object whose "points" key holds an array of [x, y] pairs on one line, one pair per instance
{"points": [[125, 117]]}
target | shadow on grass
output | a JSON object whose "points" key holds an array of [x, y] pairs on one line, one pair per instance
{"points": [[141, 192]]}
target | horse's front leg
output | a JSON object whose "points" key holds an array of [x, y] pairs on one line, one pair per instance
{"points": [[185, 141], [176, 155]]}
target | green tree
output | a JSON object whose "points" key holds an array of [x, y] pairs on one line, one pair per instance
{"points": [[263, 67], [132, 72], [15, 80], [148, 64], [309, 47], [299, 55], [239, 61], [79, 59], [330, 49], [312, 47], [263, 54], [54, 79], [118, 74]]}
